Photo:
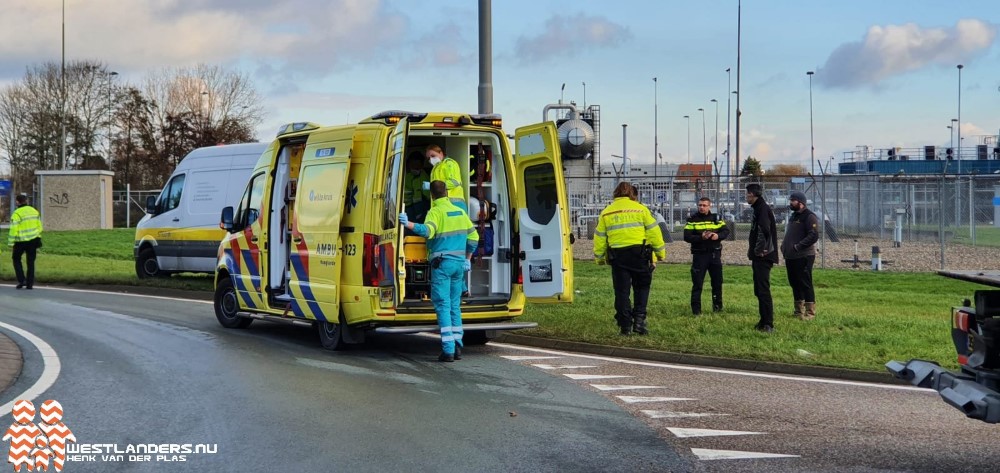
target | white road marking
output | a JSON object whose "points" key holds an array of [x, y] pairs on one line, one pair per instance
{"points": [[635, 399], [113, 293], [561, 367], [706, 454], [676, 414], [50, 368], [716, 370], [685, 433], [524, 358], [593, 376], [622, 387]]}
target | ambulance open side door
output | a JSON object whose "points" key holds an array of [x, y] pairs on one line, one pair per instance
{"points": [[546, 254]]}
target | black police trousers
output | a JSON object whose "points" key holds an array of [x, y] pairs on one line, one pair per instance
{"points": [[711, 263], [631, 272]]}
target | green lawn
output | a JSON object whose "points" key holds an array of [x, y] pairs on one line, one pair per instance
{"points": [[864, 318]]}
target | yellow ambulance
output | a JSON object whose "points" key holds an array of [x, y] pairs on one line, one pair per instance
{"points": [[315, 238]]}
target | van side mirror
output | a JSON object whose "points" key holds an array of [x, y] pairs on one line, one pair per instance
{"points": [[226, 222], [151, 205]]}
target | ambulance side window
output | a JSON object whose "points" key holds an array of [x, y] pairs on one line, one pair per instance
{"points": [[249, 209], [391, 193]]}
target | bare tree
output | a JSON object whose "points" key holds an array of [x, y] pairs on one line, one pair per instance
{"points": [[14, 125]]}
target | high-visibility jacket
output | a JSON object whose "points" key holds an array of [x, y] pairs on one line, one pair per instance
{"points": [[627, 223], [413, 185], [449, 171], [698, 223], [25, 225], [448, 230]]}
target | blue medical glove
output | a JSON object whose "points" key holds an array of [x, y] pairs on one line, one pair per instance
{"points": [[426, 186], [467, 266], [403, 219]]}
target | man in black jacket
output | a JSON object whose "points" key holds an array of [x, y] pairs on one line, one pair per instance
{"points": [[799, 250], [705, 232], [763, 254]]}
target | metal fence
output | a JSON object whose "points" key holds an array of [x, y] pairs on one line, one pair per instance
{"points": [[891, 211]]}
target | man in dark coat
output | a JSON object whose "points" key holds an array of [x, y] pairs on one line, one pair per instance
{"points": [[763, 254], [799, 249]]}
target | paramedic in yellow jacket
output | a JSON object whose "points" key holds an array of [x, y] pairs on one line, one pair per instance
{"points": [[451, 239], [25, 236], [417, 200], [628, 237], [448, 171]]}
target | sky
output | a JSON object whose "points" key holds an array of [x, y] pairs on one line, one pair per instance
{"points": [[885, 71]]}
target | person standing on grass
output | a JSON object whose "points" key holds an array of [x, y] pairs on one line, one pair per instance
{"points": [[628, 237], [763, 254], [25, 237], [799, 249], [705, 232]]}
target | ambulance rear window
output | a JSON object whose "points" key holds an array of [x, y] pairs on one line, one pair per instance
{"points": [[540, 192]]}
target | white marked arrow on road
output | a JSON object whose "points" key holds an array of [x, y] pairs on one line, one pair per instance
{"points": [[675, 414], [621, 387], [593, 376], [635, 399], [561, 367], [528, 357], [706, 454], [685, 433]]}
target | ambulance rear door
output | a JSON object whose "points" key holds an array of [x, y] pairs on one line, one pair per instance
{"points": [[545, 253], [391, 251]]}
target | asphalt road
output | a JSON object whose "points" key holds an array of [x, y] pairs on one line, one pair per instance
{"points": [[145, 371]]}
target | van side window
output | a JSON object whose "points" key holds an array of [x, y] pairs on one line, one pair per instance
{"points": [[540, 193], [249, 209], [391, 192], [172, 193]]}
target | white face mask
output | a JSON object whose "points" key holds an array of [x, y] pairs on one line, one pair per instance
{"points": [[435, 160]]}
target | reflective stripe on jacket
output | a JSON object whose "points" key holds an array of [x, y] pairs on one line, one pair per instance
{"points": [[627, 223], [448, 231], [698, 223], [25, 225], [449, 172]]}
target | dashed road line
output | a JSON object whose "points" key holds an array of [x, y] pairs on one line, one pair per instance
{"points": [[579, 377], [526, 358], [561, 367], [622, 387], [707, 454], [687, 433], [676, 414], [635, 399]]}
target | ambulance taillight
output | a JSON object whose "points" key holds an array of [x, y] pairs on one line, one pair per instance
{"points": [[369, 260]]}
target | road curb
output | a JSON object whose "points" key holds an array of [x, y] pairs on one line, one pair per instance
{"points": [[11, 362], [701, 360]]}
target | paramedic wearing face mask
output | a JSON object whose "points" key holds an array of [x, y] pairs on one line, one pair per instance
{"points": [[448, 171]]}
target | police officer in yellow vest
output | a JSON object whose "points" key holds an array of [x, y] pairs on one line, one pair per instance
{"points": [[25, 235], [628, 237], [448, 171], [451, 239]]}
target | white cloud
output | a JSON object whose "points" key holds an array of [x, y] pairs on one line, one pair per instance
{"points": [[567, 35], [892, 50]]}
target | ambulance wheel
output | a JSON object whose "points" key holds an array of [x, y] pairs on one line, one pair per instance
{"points": [[477, 337], [227, 308], [331, 336], [146, 265]]}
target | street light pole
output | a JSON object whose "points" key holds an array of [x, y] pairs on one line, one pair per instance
{"points": [[812, 145], [110, 75], [716, 133], [656, 130], [689, 137], [959, 155], [951, 137], [62, 87], [729, 114], [954, 126], [625, 166], [739, 113], [704, 139]]}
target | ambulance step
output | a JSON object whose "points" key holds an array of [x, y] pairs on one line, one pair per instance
{"points": [[283, 297], [467, 327]]}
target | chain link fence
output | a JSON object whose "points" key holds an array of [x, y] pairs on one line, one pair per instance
{"points": [[917, 223]]}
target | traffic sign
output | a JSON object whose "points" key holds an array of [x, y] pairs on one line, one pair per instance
{"points": [[4, 188]]}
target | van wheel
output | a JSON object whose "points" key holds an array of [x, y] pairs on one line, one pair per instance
{"points": [[227, 308], [146, 265], [476, 338], [331, 336]]}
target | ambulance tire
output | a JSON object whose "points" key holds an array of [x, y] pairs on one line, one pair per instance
{"points": [[227, 308], [331, 336], [146, 265], [476, 337]]}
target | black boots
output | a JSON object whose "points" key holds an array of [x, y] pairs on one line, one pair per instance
{"points": [[639, 324]]}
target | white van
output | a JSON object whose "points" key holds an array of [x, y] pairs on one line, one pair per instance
{"points": [[180, 232]]}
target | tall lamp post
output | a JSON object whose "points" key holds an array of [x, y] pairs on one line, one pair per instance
{"points": [[704, 139], [62, 89], [954, 126], [716, 136], [729, 114], [812, 145], [688, 117], [110, 75], [656, 133], [959, 154], [951, 137]]}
